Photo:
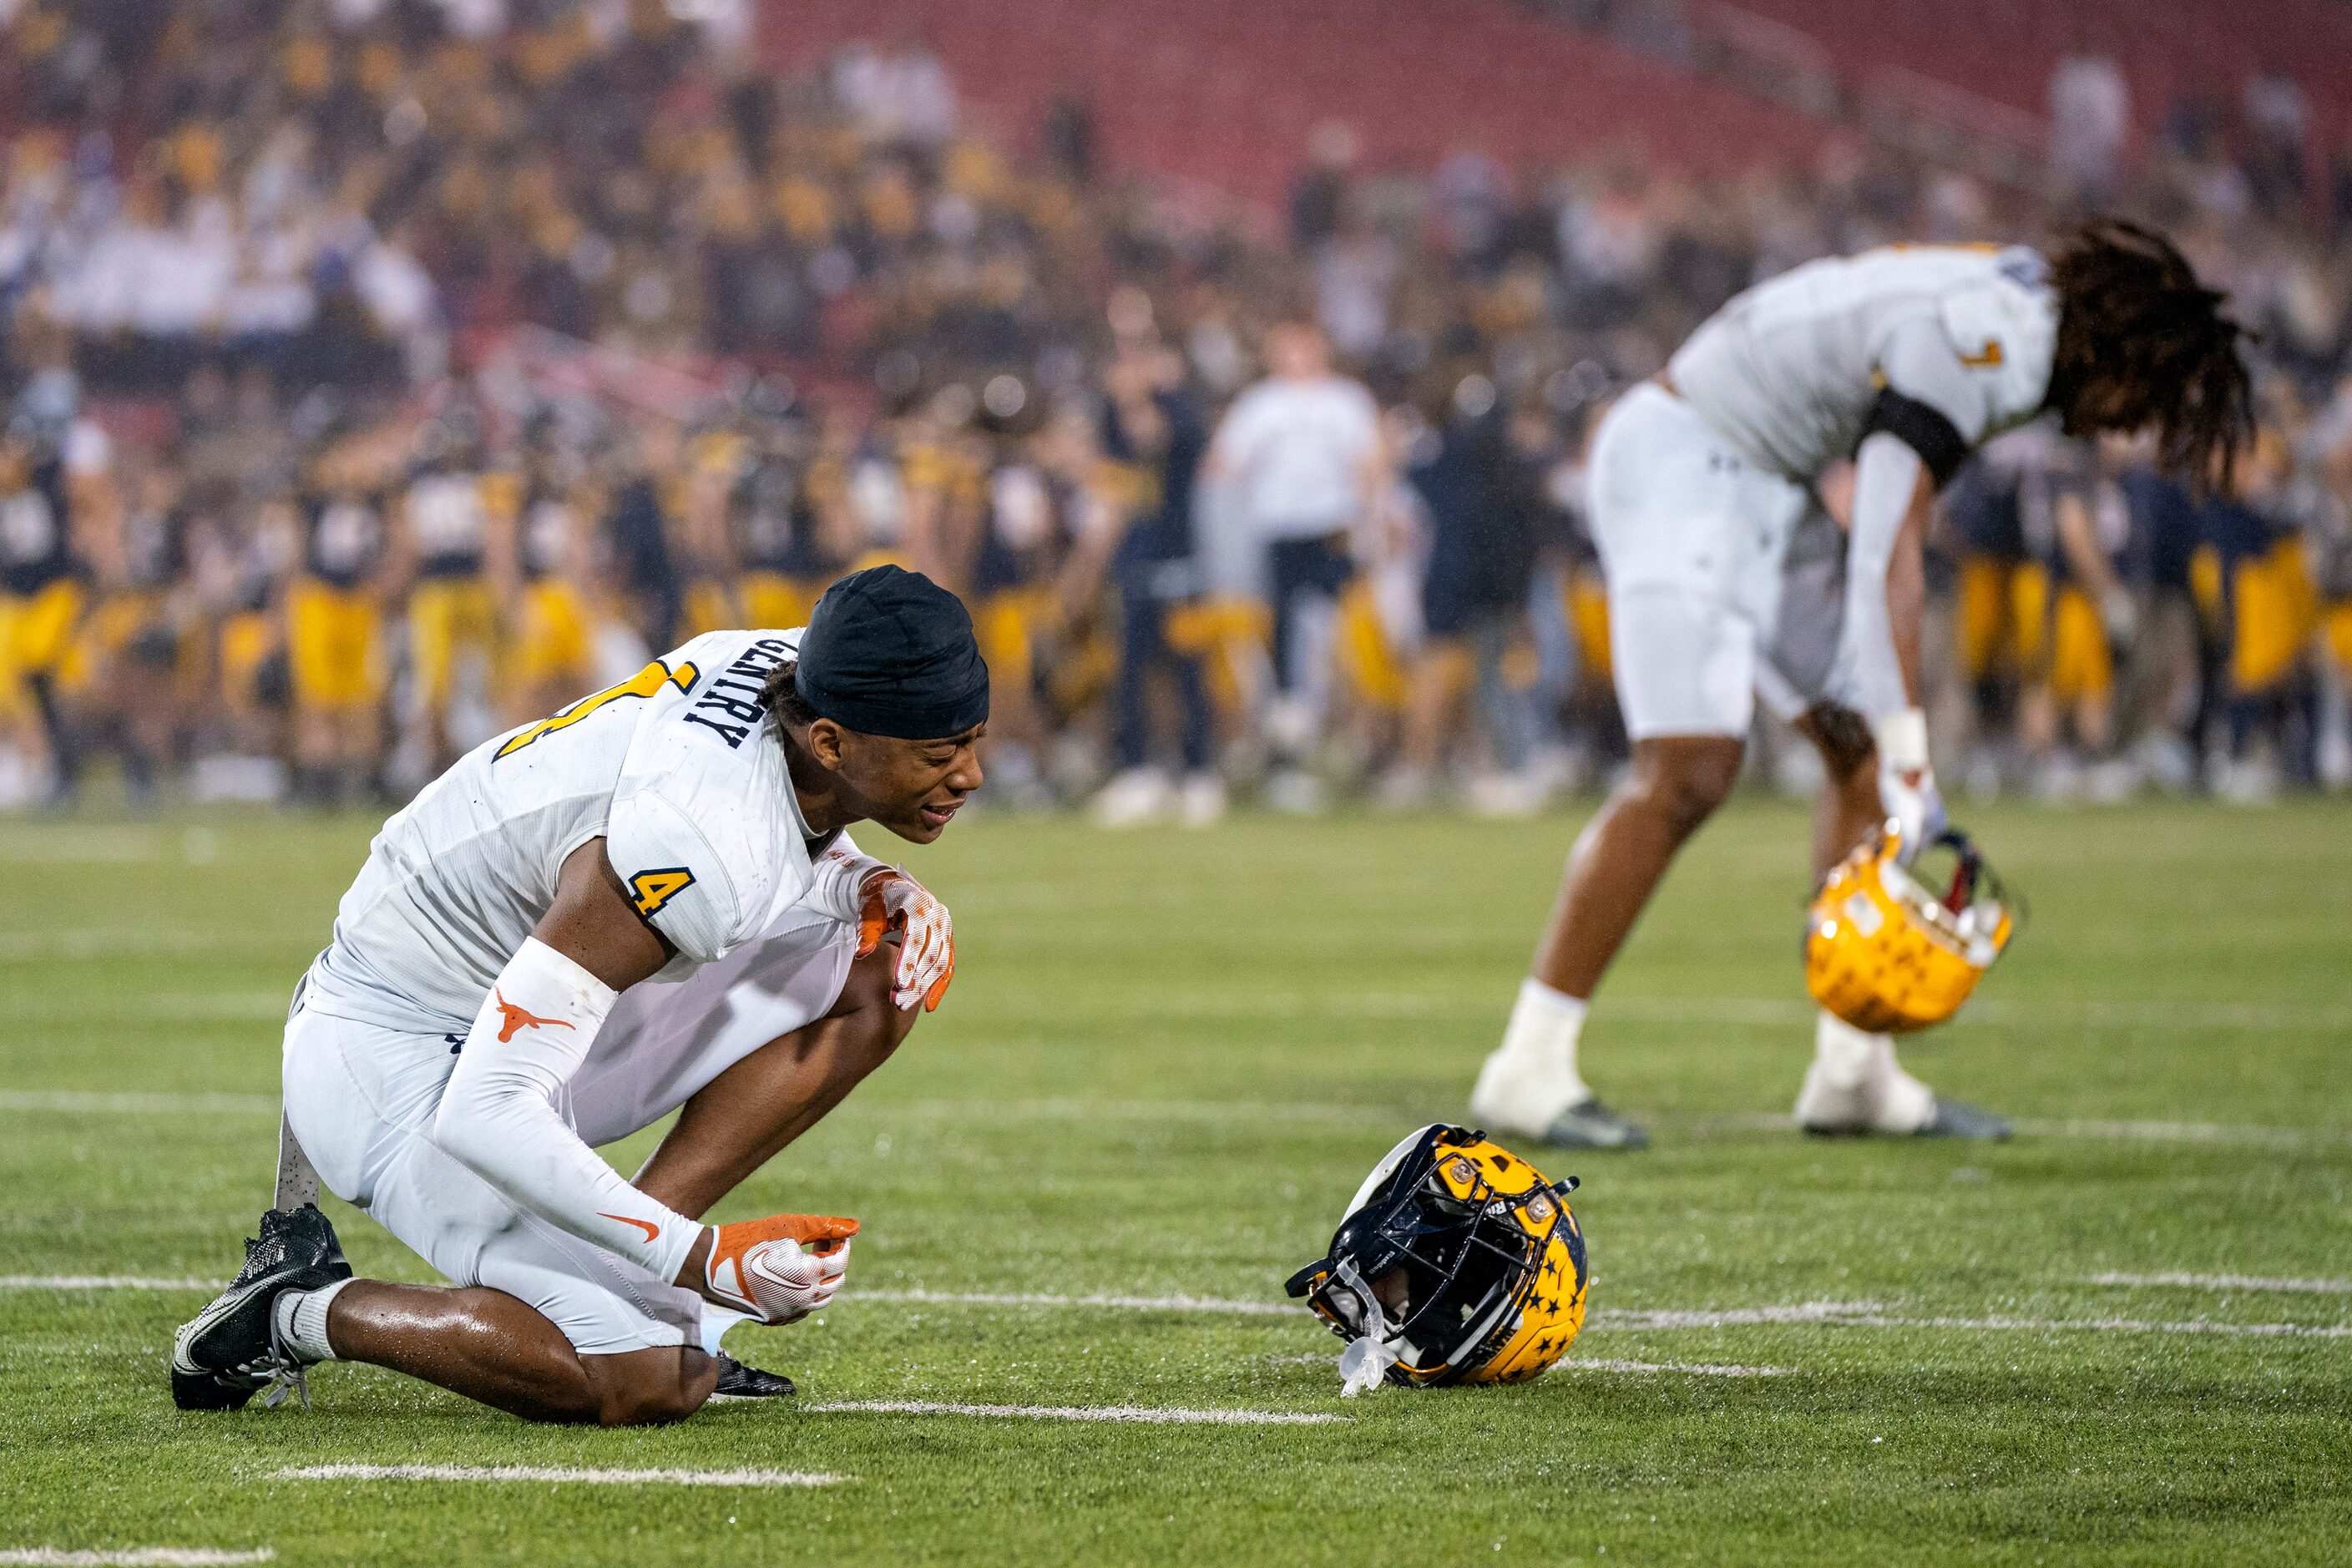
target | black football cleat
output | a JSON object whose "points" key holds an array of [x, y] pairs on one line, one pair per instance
{"points": [[229, 1351], [1588, 1124], [737, 1381], [1958, 1118], [1949, 1119]]}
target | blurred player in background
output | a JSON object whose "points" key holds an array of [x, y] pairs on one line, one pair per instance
{"points": [[334, 629], [138, 690], [442, 536], [1152, 441], [1702, 506], [41, 600], [1299, 457], [552, 651], [2075, 612], [2256, 589]]}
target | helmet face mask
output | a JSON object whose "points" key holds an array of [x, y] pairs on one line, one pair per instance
{"points": [[1459, 1258]]}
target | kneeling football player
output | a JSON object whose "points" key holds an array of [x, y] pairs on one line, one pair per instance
{"points": [[643, 903]]}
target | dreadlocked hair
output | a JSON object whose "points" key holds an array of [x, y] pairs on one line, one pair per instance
{"points": [[2135, 321], [787, 709]]}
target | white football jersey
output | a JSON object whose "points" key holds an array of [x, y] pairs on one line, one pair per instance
{"points": [[1298, 451], [673, 768], [446, 516], [1788, 370]]}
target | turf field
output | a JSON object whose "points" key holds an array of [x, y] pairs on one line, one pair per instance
{"points": [[1166, 1062]]}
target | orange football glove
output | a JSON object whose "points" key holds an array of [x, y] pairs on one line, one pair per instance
{"points": [[781, 1269], [892, 901]]}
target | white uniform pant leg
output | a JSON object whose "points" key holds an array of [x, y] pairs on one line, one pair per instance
{"points": [[1691, 536], [361, 1097], [662, 1043], [1801, 665]]}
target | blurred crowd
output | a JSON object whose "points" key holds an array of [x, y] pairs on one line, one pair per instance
{"points": [[382, 374]]}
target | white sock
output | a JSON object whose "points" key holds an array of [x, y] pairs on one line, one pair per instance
{"points": [[716, 1322], [1849, 1062], [1904, 1104], [299, 1318], [1531, 1076], [1847, 1057]]}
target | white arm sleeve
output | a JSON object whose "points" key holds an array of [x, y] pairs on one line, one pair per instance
{"points": [[840, 874], [498, 1116], [1887, 473], [1928, 414]]}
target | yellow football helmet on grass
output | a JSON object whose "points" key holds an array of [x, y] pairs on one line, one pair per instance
{"points": [[1457, 1262], [1888, 956]]}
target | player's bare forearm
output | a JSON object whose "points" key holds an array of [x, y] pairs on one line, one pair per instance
{"points": [[592, 924], [742, 1117]]}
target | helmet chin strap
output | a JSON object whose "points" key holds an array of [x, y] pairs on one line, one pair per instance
{"points": [[1364, 1364]]}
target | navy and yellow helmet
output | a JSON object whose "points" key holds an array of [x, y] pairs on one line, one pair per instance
{"points": [[1474, 1268]]}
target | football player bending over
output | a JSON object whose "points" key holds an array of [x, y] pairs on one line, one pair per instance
{"points": [[1724, 580], [642, 903]]}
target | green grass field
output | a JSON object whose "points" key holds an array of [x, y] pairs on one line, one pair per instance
{"points": [[1166, 1062]]}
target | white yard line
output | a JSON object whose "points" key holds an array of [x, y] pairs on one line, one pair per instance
{"points": [[1828, 1314], [2116, 1132], [64, 1101], [59, 844], [1825, 1314], [135, 1556], [554, 1476], [2171, 1017], [2287, 1138], [2107, 1326], [1633, 1319], [80, 943], [1597, 1363], [1062, 1109], [2227, 1282], [1151, 1415], [104, 1282], [1691, 1369], [1868, 1315], [1124, 1303], [88, 1102], [166, 1006]]}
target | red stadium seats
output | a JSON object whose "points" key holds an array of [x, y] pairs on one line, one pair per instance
{"points": [[2004, 50], [1225, 92]]}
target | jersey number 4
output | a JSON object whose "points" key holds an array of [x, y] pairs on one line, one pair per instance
{"points": [[649, 891], [646, 682]]}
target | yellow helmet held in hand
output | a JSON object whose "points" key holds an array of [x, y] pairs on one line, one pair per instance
{"points": [[1457, 1262], [1888, 956]]}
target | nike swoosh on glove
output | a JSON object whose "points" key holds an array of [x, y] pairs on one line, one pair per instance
{"points": [[781, 1269], [894, 900]]}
